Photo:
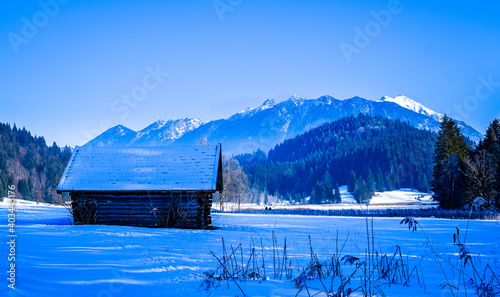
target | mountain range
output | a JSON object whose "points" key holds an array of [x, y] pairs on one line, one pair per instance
{"points": [[271, 123]]}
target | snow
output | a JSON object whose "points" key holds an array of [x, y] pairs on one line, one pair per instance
{"points": [[159, 132], [269, 103], [297, 100], [400, 199], [249, 111], [54, 258], [153, 168], [122, 130], [401, 196], [166, 130], [345, 196], [412, 105]]}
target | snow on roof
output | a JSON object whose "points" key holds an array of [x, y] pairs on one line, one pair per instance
{"points": [[154, 168]]}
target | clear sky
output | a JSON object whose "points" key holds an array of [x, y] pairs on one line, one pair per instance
{"points": [[69, 70]]}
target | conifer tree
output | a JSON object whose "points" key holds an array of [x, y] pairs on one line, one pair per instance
{"points": [[318, 193], [425, 185], [389, 183], [23, 187], [412, 182], [370, 182], [379, 183], [361, 191], [351, 186], [492, 146], [327, 187], [449, 154], [338, 198]]}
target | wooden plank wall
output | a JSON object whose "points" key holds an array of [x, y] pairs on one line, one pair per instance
{"points": [[159, 209]]}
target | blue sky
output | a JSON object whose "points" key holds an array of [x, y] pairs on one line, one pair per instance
{"points": [[70, 70]]}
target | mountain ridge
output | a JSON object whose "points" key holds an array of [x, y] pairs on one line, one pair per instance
{"points": [[160, 132], [271, 123]]}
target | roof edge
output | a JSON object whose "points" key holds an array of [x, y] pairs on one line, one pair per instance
{"points": [[218, 156], [134, 191], [65, 173]]}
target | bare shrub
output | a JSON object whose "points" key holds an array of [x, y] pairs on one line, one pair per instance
{"points": [[83, 211], [175, 215]]}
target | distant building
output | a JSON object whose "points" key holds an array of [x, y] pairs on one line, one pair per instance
{"points": [[157, 186]]}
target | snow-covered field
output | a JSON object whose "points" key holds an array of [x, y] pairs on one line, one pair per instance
{"points": [[54, 258], [402, 198]]}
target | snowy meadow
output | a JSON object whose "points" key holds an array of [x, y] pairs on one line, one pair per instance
{"points": [[246, 254]]}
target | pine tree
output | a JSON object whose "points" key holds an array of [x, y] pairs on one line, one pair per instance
{"points": [[389, 183], [351, 186], [379, 183], [337, 196], [492, 138], [319, 195], [361, 191], [396, 180], [23, 187], [370, 182], [3, 183], [492, 146], [327, 187], [412, 182], [312, 198], [448, 179], [425, 185]]}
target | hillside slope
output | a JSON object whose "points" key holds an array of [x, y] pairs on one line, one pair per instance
{"points": [[395, 154]]}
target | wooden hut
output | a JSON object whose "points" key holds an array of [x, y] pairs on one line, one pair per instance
{"points": [[157, 186]]}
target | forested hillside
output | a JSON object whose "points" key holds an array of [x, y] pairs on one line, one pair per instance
{"points": [[363, 152], [28, 163]]}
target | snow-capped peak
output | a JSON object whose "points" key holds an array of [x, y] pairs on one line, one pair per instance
{"points": [[410, 104], [120, 130], [269, 103], [158, 124], [249, 111], [326, 99], [282, 121], [168, 130], [296, 99]]}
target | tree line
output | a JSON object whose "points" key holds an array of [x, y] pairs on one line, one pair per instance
{"points": [[368, 154], [464, 172]]}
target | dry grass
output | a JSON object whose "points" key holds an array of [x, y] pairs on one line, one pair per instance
{"points": [[342, 274], [338, 275]]}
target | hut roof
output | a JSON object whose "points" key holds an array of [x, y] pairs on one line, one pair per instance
{"points": [[154, 168]]}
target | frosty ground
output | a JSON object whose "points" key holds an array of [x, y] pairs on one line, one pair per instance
{"points": [[55, 258]]}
